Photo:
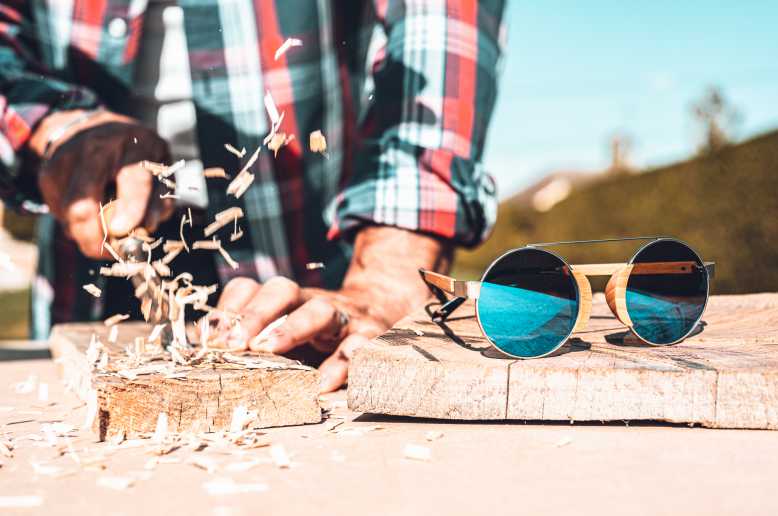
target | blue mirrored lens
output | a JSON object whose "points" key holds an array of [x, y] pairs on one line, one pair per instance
{"points": [[528, 303], [666, 292]]}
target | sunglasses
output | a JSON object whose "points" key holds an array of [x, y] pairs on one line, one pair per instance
{"points": [[529, 301]]}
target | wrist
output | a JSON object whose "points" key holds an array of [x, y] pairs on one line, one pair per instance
{"points": [[57, 128]]}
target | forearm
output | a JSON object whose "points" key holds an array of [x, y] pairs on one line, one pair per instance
{"points": [[385, 267]]}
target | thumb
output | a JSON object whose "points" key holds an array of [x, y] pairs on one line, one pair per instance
{"points": [[334, 370], [133, 190]]}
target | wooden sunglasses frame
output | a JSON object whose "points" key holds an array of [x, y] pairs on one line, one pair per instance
{"points": [[615, 289]]}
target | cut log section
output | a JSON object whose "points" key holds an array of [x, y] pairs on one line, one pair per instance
{"points": [[202, 400], [726, 376]]}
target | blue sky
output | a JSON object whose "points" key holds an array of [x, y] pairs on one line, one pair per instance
{"points": [[577, 72]]}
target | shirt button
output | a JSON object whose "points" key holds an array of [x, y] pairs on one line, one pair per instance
{"points": [[117, 28]]}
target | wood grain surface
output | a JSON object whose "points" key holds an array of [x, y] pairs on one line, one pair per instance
{"points": [[203, 401], [726, 376]]}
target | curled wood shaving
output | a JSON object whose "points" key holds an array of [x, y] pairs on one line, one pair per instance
{"points": [[286, 45], [169, 195], [317, 142], [227, 258], [222, 219], [170, 256], [161, 268], [115, 319], [91, 410], [156, 332], [181, 232], [173, 245], [239, 153], [93, 289], [236, 235]]}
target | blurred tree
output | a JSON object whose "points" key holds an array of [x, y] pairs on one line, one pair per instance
{"points": [[717, 118]]}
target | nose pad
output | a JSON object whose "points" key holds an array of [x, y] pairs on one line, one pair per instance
{"points": [[584, 301], [616, 294]]}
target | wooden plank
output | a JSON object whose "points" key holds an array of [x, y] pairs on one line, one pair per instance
{"points": [[724, 377], [203, 401]]}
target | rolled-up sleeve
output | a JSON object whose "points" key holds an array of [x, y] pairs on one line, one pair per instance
{"points": [[27, 94], [432, 86]]}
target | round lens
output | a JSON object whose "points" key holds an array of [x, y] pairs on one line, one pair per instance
{"points": [[666, 292], [528, 303]]}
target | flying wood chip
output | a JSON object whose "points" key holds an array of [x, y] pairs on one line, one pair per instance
{"points": [[317, 142], [286, 45]]}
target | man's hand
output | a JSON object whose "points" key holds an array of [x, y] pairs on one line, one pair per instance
{"points": [[381, 286], [95, 159]]}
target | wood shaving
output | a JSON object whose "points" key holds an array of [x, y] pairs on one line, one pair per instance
{"points": [[242, 467], [237, 234], [123, 270], [279, 456], [114, 334], [169, 195], [202, 462], [156, 332], [563, 442], [317, 142], [91, 410], [171, 255], [418, 332], [222, 219], [433, 435], [312, 266], [27, 386], [228, 487], [43, 392], [46, 469], [181, 232], [272, 110], [242, 418], [279, 140], [286, 45], [417, 452], [116, 319], [215, 172], [115, 482], [20, 502], [93, 289], [160, 432], [239, 153], [113, 252], [227, 258]]}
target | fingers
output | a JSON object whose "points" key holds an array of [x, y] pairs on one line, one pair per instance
{"points": [[334, 370], [317, 318], [236, 295], [278, 296], [134, 185], [83, 223]]}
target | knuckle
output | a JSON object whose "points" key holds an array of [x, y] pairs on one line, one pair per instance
{"points": [[322, 308], [241, 284], [81, 210], [283, 283]]}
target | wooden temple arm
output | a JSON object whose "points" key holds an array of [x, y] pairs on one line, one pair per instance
{"points": [[455, 287], [609, 269]]}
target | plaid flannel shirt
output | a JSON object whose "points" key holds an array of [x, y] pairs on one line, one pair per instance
{"points": [[402, 90]]}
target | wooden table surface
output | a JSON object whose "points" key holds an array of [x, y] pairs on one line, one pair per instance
{"points": [[475, 468]]}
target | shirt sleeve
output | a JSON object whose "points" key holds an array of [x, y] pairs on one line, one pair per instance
{"points": [[433, 83], [28, 93]]}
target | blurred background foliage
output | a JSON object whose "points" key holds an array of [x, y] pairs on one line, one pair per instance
{"points": [[723, 202]]}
